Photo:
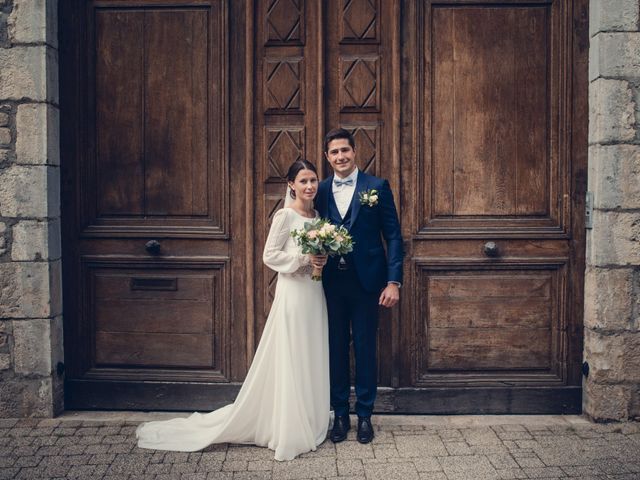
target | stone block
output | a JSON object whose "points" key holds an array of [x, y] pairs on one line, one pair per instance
{"points": [[5, 334], [614, 171], [609, 304], [615, 55], [29, 72], [5, 361], [634, 404], [55, 288], [38, 134], [615, 239], [605, 354], [25, 290], [3, 240], [26, 397], [613, 16], [32, 347], [36, 240], [5, 136], [606, 402], [4, 119], [631, 357], [34, 21], [30, 191], [611, 111], [4, 155]]}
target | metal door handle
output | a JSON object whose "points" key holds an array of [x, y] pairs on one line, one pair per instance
{"points": [[491, 249], [153, 247]]}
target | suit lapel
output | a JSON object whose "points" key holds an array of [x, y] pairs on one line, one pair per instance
{"points": [[361, 186]]}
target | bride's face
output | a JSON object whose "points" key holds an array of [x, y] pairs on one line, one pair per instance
{"points": [[305, 185]]}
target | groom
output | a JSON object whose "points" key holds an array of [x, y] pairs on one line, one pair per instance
{"points": [[357, 283]]}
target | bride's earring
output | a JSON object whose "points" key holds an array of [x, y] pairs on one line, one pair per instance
{"points": [[292, 192]]}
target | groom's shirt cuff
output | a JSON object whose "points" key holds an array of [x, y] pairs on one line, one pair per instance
{"points": [[395, 283]]}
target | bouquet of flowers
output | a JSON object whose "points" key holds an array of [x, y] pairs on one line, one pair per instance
{"points": [[321, 237]]}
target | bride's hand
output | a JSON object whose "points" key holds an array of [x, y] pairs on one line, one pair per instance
{"points": [[318, 260]]}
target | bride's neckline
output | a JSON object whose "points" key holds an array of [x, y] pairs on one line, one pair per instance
{"points": [[303, 216]]}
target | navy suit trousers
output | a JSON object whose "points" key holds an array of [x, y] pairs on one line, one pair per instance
{"points": [[353, 316]]}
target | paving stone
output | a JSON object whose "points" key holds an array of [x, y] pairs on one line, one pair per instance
{"points": [[350, 467], [216, 476], [350, 449], [427, 464], [305, 468], [184, 468], [101, 458], [234, 465], [420, 445], [133, 463], [158, 468], [450, 435], [432, 476], [465, 467], [529, 462], [514, 435], [391, 471], [81, 471], [251, 476], [501, 461], [249, 453], [385, 451], [458, 448], [581, 470], [194, 476], [480, 436], [260, 465], [510, 473], [544, 472], [30, 473], [6, 473]]}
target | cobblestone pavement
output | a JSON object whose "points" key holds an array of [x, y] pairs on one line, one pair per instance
{"points": [[101, 445]]}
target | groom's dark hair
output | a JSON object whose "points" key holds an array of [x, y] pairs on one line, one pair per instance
{"points": [[337, 133]]}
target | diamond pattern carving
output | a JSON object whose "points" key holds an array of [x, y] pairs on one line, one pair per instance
{"points": [[359, 20], [285, 22], [366, 138], [284, 146], [360, 78], [283, 86]]}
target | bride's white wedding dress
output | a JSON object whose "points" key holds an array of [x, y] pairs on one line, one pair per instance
{"points": [[284, 401]]}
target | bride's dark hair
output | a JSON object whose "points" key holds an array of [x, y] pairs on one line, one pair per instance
{"points": [[295, 168], [298, 165]]}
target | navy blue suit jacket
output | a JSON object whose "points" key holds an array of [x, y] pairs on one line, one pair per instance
{"points": [[368, 226]]}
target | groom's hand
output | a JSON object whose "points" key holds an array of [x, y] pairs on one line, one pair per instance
{"points": [[390, 295]]}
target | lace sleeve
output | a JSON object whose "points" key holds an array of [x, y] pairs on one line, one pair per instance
{"points": [[274, 256]]}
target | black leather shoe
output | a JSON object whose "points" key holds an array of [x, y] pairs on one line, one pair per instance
{"points": [[341, 426], [365, 430]]}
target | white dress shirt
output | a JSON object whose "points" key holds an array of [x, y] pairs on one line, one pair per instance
{"points": [[343, 194]]}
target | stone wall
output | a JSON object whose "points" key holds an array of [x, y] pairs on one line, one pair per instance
{"points": [[30, 267], [612, 290]]}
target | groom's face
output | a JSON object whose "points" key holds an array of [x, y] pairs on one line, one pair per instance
{"points": [[341, 156]]}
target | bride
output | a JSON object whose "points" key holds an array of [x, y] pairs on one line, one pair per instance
{"points": [[284, 401]]}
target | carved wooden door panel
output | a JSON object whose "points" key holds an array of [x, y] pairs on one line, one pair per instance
{"points": [[179, 119], [493, 172], [153, 276]]}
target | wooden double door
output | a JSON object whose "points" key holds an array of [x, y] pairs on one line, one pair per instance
{"points": [[180, 117]]}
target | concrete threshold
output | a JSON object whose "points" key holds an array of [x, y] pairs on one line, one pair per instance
{"points": [[454, 421]]}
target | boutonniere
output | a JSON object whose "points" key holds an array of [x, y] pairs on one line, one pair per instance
{"points": [[369, 198]]}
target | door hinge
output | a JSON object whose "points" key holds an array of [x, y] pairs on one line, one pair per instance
{"points": [[588, 211]]}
